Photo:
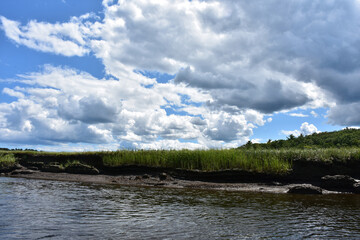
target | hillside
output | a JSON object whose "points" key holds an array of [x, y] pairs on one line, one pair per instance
{"points": [[338, 139]]}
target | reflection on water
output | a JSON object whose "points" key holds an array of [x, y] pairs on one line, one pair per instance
{"points": [[36, 209]]}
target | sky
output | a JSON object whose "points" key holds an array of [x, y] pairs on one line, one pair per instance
{"points": [[87, 75]]}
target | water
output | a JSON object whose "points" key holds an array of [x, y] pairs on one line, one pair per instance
{"points": [[37, 209]]}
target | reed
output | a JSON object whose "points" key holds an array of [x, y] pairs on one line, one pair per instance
{"points": [[204, 160], [6, 160], [274, 161], [263, 160]]}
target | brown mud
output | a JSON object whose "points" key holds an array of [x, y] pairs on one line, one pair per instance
{"points": [[305, 173], [162, 179]]}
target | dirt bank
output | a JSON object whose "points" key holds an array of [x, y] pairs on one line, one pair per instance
{"points": [[158, 180]]}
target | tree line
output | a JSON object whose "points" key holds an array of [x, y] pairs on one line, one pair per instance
{"points": [[347, 137]]}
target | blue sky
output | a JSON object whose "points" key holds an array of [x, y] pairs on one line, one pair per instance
{"points": [[89, 75]]}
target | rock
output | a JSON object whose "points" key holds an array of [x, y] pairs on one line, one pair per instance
{"points": [[163, 176], [2, 174], [39, 165], [277, 184], [145, 176], [159, 184], [338, 182], [22, 171], [80, 168], [137, 178], [305, 189], [53, 168], [9, 168], [274, 184], [18, 166], [33, 168], [357, 188]]}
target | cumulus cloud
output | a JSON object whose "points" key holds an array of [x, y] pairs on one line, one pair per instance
{"points": [[233, 61], [61, 105], [226, 127], [305, 129], [298, 115], [243, 56], [68, 39], [169, 144]]}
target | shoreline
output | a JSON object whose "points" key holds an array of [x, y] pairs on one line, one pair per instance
{"points": [[305, 177], [148, 180]]}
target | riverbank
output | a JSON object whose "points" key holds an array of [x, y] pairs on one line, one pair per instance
{"points": [[164, 180], [154, 181], [147, 180], [297, 171]]}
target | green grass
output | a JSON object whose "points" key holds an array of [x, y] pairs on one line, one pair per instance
{"points": [[272, 161], [263, 160], [204, 160], [70, 163], [7, 160]]}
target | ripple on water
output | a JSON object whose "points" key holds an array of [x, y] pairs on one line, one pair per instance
{"points": [[36, 209]]}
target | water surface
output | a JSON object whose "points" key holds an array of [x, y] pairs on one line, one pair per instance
{"points": [[39, 209]]}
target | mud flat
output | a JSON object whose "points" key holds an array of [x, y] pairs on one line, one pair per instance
{"points": [[293, 173], [231, 180]]}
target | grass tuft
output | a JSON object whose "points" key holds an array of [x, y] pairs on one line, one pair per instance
{"points": [[7, 160]]}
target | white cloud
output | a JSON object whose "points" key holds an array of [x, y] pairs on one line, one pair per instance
{"points": [[63, 105], [305, 129], [314, 114], [296, 133], [298, 115], [255, 117], [64, 39], [226, 127], [170, 144], [13, 93], [352, 127], [244, 57], [233, 61]]}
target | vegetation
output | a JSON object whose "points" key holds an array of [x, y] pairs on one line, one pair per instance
{"points": [[339, 139], [71, 163], [275, 157], [6, 160], [275, 161], [205, 160], [17, 149]]}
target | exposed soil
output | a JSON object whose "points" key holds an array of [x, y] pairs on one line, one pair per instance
{"points": [[157, 180], [305, 173]]}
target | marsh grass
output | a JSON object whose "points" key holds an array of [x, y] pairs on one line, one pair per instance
{"points": [[263, 160], [7, 160], [70, 163], [204, 160], [273, 161]]}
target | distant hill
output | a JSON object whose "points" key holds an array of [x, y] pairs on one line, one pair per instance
{"points": [[344, 138]]}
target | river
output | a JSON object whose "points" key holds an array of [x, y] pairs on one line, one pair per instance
{"points": [[39, 209]]}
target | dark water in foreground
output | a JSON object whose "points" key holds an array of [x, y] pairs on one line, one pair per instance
{"points": [[36, 209]]}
